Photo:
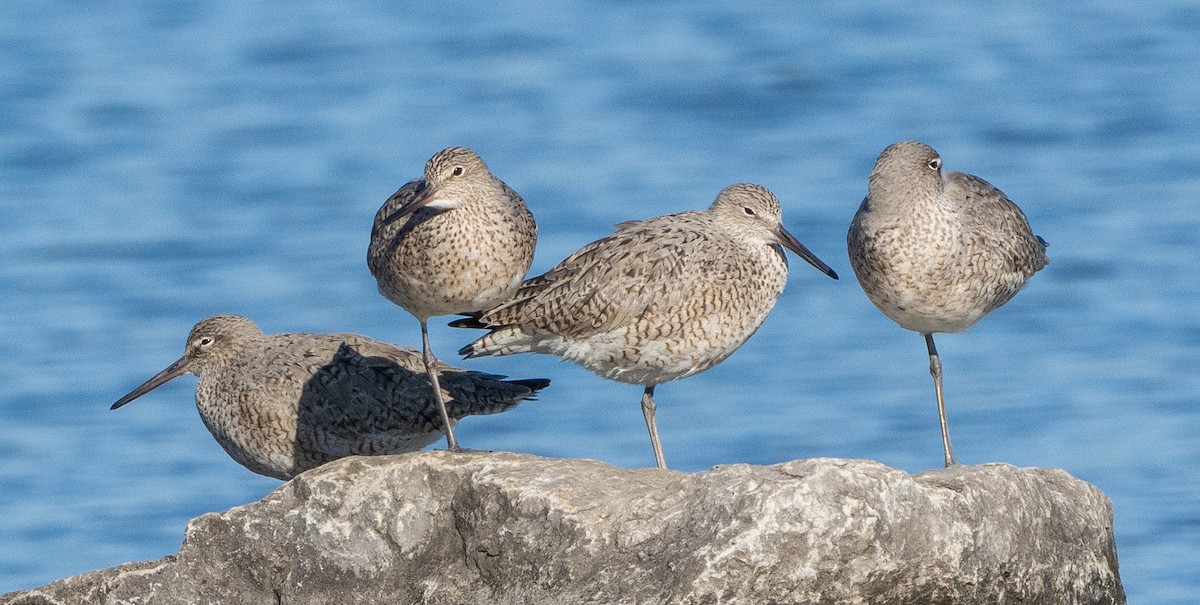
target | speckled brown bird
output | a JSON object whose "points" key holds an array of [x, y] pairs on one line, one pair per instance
{"points": [[936, 251], [456, 241], [286, 403], [658, 300]]}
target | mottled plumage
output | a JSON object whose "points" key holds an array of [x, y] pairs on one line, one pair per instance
{"points": [[456, 241], [936, 251], [286, 403], [658, 300]]}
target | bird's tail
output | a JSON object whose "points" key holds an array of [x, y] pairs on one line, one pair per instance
{"points": [[469, 320], [533, 384], [473, 393], [502, 341]]}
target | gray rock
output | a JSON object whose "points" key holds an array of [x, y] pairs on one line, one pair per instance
{"points": [[449, 528]]}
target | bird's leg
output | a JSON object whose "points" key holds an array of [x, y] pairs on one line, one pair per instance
{"points": [[652, 426], [935, 368], [431, 371]]}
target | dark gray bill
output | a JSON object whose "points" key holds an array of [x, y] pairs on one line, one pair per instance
{"points": [[172, 371], [424, 196], [791, 243]]}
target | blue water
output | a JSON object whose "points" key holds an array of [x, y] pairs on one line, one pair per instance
{"points": [[160, 162]]}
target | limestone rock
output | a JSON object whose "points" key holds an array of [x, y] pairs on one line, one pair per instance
{"points": [[452, 528]]}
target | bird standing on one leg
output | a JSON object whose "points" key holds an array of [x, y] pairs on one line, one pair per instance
{"points": [[936, 251], [658, 300], [456, 241]]}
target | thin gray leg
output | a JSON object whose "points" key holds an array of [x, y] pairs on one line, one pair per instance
{"points": [[935, 368], [427, 356], [652, 426]]}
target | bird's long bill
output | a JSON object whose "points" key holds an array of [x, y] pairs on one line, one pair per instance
{"points": [[790, 242], [423, 197], [172, 371]]}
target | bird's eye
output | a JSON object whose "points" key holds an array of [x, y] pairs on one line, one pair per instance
{"points": [[749, 211], [458, 170], [935, 163], [205, 341]]}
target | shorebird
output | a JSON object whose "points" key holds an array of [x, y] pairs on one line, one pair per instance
{"points": [[456, 241], [658, 300], [936, 251], [286, 403]]}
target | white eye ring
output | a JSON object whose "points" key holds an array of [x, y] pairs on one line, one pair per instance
{"points": [[935, 163], [458, 170], [749, 211], [205, 341]]}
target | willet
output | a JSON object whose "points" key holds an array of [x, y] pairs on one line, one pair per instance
{"points": [[658, 300], [456, 241], [936, 251], [286, 403]]}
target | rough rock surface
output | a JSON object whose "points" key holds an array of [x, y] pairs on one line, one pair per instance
{"points": [[449, 528]]}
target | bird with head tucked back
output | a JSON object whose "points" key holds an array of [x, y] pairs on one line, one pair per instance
{"points": [[658, 300], [456, 241], [937, 250], [286, 403]]}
